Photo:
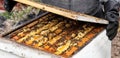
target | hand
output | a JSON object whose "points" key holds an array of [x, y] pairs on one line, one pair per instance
{"points": [[113, 25], [9, 4]]}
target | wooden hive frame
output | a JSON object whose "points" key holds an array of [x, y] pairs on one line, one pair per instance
{"points": [[64, 12], [86, 38], [73, 41]]}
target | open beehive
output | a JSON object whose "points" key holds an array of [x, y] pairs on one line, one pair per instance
{"points": [[56, 34]]}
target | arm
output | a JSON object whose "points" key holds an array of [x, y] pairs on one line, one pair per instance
{"points": [[112, 15]]}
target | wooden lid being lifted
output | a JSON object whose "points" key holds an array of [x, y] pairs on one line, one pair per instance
{"points": [[64, 12]]}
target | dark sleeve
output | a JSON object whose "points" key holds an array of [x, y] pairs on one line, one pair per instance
{"points": [[9, 4], [111, 6], [111, 10]]}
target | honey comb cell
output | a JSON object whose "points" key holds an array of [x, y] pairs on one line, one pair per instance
{"points": [[57, 35]]}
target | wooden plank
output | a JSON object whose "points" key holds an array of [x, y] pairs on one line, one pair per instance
{"points": [[63, 12]]}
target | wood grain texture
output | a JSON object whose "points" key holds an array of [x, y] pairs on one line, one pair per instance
{"points": [[64, 12]]}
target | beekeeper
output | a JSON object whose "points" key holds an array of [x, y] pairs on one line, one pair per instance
{"points": [[107, 9]]}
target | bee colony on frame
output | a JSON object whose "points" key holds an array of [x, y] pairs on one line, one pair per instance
{"points": [[57, 35]]}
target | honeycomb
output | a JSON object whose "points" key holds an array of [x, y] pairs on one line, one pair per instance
{"points": [[57, 35]]}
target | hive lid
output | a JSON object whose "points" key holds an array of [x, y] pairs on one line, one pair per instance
{"points": [[64, 12]]}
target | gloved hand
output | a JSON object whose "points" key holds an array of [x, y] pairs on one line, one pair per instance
{"points": [[112, 15], [113, 25], [9, 4]]}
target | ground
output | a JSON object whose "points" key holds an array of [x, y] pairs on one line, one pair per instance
{"points": [[116, 45]]}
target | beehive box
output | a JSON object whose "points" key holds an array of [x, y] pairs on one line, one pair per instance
{"points": [[57, 35]]}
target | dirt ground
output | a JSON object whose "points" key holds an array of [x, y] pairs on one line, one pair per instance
{"points": [[116, 45]]}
